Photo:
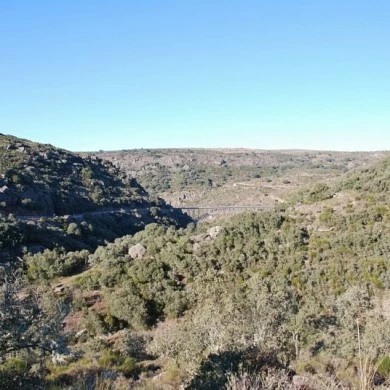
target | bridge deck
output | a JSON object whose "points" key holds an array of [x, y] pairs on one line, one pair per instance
{"points": [[202, 212]]}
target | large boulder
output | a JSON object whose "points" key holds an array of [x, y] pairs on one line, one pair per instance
{"points": [[214, 231], [196, 248], [211, 234], [137, 251]]}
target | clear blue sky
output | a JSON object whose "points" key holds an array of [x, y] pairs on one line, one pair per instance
{"points": [[91, 74]]}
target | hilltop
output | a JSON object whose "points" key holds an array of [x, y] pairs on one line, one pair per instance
{"points": [[37, 179]]}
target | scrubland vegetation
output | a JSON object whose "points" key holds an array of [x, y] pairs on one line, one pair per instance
{"points": [[232, 176], [295, 297]]}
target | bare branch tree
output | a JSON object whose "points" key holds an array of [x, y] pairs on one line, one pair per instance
{"points": [[29, 319]]}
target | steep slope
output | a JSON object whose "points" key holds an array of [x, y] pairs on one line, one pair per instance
{"points": [[374, 179], [368, 184], [50, 198], [38, 179]]}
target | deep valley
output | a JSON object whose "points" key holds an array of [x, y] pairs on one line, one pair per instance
{"points": [[193, 269]]}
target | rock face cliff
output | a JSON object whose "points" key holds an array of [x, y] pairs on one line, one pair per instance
{"points": [[37, 179]]}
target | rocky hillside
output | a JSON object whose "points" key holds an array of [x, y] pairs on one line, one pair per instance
{"points": [[37, 179], [294, 297], [51, 198], [374, 179], [290, 297], [189, 177]]}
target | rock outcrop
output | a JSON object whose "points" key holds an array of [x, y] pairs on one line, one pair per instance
{"points": [[137, 251], [203, 238]]}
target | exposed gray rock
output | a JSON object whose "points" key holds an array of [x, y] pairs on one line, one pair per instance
{"points": [[200, 237], [214, 231], [211, 234], [137, 251], [196, 247], [80, 333], [302, 382], [61, 354], [62, 358], [59, 289], [325, 229]]}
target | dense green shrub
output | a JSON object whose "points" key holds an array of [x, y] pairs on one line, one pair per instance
{"points": [[50, 264]]}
